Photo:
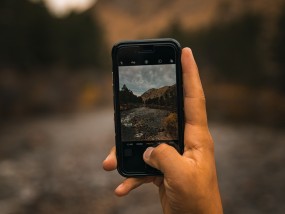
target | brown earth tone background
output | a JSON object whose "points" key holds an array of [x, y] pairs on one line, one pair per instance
{"points": [[56, 124]]}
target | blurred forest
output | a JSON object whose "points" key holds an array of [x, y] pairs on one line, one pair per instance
{"points": [[243, 70], [48, 64], [56, 115], [31, 36]]}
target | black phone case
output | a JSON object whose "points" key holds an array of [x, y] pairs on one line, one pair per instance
{"points": [[180, 109]]}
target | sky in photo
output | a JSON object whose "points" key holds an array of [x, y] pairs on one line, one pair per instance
{"points": [[141, 78]]}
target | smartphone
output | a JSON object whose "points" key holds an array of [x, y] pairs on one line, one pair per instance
{"points": [[148, 101]]}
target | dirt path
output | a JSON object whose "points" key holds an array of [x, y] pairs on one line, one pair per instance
{"points": [[54, 166], [250, 162]]}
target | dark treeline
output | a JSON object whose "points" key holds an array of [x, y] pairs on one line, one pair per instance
{"points": [[128, 97], [31, 36], [278, 47], [164, 100]]}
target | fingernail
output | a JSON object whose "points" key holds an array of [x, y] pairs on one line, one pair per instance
{"points": [[119, 187], [148, 152], [107, 158]]}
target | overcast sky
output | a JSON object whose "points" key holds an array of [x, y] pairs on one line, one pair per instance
{"points": [[139, 79]]}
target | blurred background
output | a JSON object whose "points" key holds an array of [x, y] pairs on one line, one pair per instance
{"points": [[56, 124]]}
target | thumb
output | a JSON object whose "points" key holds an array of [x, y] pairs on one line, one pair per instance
{"points": [[163, 157]]}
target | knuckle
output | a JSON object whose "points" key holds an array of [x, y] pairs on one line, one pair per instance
{"points": [[163, 151], [161, 148]]}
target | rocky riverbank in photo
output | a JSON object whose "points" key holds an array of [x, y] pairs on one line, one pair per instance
{"points": [[144, 123]]}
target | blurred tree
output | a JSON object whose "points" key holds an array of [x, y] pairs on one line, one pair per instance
{"points": [[31, 36], [279, 51]]}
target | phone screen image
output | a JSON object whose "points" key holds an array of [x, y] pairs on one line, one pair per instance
{"points": [[148, 101], [148, 106]]}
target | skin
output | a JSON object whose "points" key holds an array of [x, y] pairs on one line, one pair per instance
{"points": [[189, 184]]}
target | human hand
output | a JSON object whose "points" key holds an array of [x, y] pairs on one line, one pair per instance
{"points": [[189, 184]]}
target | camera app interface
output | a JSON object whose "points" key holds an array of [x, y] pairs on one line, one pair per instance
{"points": [[148, 106]]}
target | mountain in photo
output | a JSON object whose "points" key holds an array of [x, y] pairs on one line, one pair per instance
{"points": [[164, 96]]}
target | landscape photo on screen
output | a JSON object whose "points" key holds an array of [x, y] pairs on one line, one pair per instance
{"points": [[147, 98]]}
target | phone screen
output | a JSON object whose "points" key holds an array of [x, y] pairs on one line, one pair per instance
{"points": [[148, 93], [148, 102]]}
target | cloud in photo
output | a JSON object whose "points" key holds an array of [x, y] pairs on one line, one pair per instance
{"points": [[139, 79]]}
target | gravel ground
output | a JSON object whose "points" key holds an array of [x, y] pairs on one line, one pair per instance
{"points": [[53, 165]]}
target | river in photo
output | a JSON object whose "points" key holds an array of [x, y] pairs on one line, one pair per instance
{"points": [[144, 123]]}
